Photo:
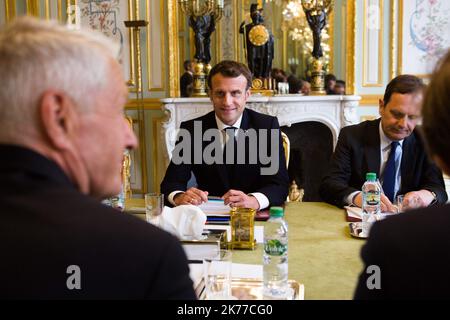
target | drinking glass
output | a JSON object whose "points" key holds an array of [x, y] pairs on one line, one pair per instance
{"points": [[399, 203], [154, 203], [403, 204], [217, 275]]}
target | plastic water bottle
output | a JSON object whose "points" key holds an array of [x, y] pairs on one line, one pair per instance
{"points": [[275, 257], [371, 202]]}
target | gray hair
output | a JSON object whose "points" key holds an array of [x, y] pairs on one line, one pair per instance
{"points": [[36, 56]]}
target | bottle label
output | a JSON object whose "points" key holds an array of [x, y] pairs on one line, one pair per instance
{"points": [[274, 247], [372, 197]]}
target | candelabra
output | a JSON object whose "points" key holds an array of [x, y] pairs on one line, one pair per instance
{"points": [[316, 14], [203, 15]]}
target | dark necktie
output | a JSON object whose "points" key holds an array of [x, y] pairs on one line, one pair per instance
{"points": [[231, 143], [389, 173]]}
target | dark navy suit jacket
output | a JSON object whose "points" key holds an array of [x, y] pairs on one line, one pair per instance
{"points": [[47, 225], [358, 152], [247, 177]]}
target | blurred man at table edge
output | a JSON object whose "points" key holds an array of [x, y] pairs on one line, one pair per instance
{"points": [[367, 147], [240, 184], [411, 250], [62, 135]]}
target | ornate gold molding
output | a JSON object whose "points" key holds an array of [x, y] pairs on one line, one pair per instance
{"points": [[59, 6], [150, 66], [155, 151], [131, 82], [350, 47], [380, 46], [331, 40], [370, 99], [10, 10], [172, 29], [400, 37], [140, 153], [392, 40], [285, 52], [47, 9], [33, 8], [137, 45], [147, 104]]}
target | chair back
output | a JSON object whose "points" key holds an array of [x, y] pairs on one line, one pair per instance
{"points": [[295, 194], [286, 146]]}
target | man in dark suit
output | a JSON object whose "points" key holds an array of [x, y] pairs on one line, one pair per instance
{"points": [[240, 181], [61, 147], [187, 79], [407, 256], [367, 147]]}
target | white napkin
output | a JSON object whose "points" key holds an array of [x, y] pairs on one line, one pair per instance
{"points": [[185, 221], [353, 212]]}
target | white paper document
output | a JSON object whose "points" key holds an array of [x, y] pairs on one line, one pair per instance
{"points": [[215, 206], [247, 271], [356, 212]]}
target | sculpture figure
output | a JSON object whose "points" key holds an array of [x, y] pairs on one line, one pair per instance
{"points": [[203, 27], [317, 20], [259, 44], [199, 25], [211, 27]]}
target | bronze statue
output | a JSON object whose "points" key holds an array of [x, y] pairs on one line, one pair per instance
{"points": [[259, 44], [317, 20], [202, 26], [207, 42]]}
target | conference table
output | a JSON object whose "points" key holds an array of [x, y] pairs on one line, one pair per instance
{"points": [[323, 256]]}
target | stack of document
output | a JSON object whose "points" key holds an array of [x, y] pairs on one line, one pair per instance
{"points": [[216, 211], [197, 250]]}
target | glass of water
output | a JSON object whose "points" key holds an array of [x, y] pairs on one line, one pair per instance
{"points": [[154, 203]]}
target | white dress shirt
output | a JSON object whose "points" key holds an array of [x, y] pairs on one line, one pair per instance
{"points": [[385, 147]]}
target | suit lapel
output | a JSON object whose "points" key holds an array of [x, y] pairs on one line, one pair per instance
{"points": [[408, 161], [245, 123], [372, 148]]}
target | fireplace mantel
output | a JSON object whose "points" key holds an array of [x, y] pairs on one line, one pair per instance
{"points": [[334, 111]]}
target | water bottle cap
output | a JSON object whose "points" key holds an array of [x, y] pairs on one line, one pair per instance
{"points": [[371, 176], [276, 212]]}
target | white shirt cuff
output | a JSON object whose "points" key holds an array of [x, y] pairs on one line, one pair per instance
{"points": [[262, 200], [349, 199], [172, 195]]}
